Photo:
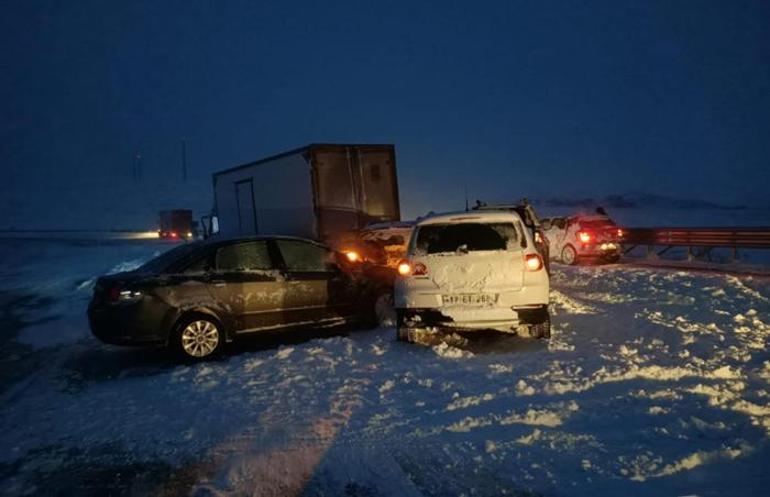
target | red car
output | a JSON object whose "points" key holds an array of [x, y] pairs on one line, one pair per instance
{"points": [[583, 238]]}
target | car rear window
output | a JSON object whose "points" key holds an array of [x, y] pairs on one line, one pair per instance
{"points": [[442, 238], [169, 260]]}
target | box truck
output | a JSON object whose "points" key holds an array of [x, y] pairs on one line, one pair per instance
{"points": [[175, 224], [325, 192]]}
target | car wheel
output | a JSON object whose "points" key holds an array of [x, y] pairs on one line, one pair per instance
{"points": [[403, 332], [569, 255], [384, 312], [199, 338], [613, 259], [541, 330]]}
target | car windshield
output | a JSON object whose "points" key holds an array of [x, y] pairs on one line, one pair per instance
{"points": [[169, 258], [442, 238]]}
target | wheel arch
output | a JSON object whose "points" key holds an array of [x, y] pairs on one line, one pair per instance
{"points": [[201, 311]]}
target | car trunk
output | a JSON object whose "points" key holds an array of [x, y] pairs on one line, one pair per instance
{"points": [[471, 258], [475, 272]]}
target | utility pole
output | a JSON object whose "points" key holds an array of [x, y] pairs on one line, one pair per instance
{"points": [[184, 159], [137, 171]]}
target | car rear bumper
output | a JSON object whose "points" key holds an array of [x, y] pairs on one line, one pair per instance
{"points": [[125, 325], [407, 296], [476, 319], [599, 252]]}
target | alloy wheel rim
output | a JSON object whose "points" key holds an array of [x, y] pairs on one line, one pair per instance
{"points": [[568, 255], [200, 338]]}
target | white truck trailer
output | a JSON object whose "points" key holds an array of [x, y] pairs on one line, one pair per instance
{"points": [[324, 192]]}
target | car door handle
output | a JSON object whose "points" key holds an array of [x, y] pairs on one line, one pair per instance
{"points": [[218, 282]]}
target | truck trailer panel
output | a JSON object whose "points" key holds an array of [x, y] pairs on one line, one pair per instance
{"points": [[319, 191], [268, 198]]}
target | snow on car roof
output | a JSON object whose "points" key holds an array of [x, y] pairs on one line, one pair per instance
{"points": [[469, 216], [592, 217]]}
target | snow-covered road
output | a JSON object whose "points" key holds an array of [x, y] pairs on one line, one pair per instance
{"points": [[655, 382]]}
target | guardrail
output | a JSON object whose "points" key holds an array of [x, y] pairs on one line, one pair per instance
{"points": [[705, 238]]}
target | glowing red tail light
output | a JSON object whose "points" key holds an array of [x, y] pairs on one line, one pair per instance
{"points": [[113, 293], [584, 236], [533, 262]]}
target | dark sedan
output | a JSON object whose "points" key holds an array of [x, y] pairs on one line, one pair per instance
{"points": [[198, 296]]}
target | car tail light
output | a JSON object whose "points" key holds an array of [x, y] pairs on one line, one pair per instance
{"points": [[406, 268], [533, 262], [113, 294], [173, 234], [352, 256], [118, 294], [584, 236], [620, 232]]}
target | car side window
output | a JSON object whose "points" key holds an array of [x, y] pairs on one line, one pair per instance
{"points": [[247, 256], [305, 257], [199, 265]]}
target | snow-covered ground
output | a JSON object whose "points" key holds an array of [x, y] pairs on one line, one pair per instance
{"points": [[656, 382]]}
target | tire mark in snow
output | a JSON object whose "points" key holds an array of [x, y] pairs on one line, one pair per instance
{"points": [[283, 468]]}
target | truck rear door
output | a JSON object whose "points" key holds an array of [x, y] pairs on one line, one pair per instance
{"points": [[247, 213]]}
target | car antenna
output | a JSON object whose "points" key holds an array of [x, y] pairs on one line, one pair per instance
{"points": [[466, 197]]}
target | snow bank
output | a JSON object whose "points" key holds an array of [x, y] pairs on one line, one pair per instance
{"points": [[665, 391]]}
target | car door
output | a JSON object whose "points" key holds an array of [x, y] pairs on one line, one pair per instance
{"points": [[556, 235], [245, 281], [317, 290]]}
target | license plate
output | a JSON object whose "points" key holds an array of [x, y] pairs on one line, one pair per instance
{"points": [[469, 299]]}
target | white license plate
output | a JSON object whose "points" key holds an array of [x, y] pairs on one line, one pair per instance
{"points": [[469, 299]]}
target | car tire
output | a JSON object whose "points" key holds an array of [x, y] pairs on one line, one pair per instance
{"points": [[613, 259], [403, 332], [541, 330], [198, 338], [569, 255], [383, 312]]}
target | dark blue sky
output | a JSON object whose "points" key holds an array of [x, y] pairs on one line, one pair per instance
{"points": [[512, 98]]}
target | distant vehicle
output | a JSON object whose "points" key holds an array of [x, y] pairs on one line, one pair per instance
{"points": [[322, 192], [198, 296], [176, 224], [584, 238], [473, 270], [384, 243]]}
